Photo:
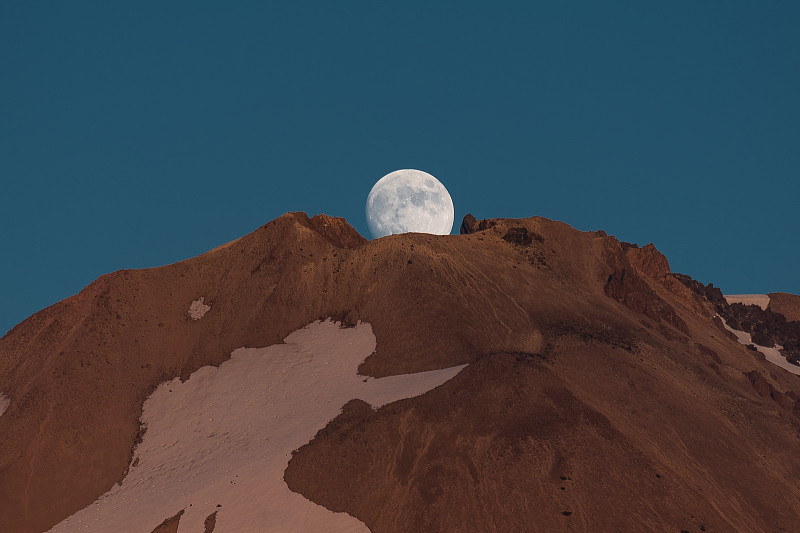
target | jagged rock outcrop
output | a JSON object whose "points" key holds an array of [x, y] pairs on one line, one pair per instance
{"points": [[627, 287], [522, 236], [470, 225], [647, 260], [709, 292]]}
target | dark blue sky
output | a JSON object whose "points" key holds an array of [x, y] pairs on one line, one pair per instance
{"points": [[142, 135]]}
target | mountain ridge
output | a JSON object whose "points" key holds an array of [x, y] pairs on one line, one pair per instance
{"points": [[508, 295]]}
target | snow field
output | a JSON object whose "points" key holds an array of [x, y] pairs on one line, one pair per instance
{"points": [[221, 440]]}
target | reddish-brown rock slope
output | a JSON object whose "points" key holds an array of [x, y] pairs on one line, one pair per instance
{"points": [[786, 304], [601, 395]]}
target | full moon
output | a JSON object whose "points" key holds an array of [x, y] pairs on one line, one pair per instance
{"points": [[409, 201]]}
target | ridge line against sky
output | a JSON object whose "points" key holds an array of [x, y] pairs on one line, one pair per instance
{"points": [[136, 136]]}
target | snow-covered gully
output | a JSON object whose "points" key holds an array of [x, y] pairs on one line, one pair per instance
{"points": [[773, 355]]}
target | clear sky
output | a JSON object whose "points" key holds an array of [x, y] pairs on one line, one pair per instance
{"points": [[142, 133]]}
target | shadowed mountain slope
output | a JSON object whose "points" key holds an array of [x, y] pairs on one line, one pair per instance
{"points": [[589, 361]]}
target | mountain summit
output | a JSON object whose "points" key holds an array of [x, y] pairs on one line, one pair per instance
{"points": [[521, 376]]}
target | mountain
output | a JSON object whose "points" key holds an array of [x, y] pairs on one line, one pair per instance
{"points": [[601, 391]]}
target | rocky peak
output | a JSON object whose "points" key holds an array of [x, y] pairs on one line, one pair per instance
{"points": [[334, 229], [647, 260]]}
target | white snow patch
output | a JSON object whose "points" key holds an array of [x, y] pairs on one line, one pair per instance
{"points": [[761, 300], [773, 355], [225, 436], [198, 309], [5, 401]]}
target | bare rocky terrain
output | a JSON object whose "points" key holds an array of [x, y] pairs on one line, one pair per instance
{"points": [[786, 304], [602, 394]]}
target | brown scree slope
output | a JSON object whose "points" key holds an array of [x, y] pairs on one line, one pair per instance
{"points": [[590, 363]]}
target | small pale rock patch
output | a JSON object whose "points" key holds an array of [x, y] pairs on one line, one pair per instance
{"points": [[5, 401], [761, 300], [198, 309]]}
